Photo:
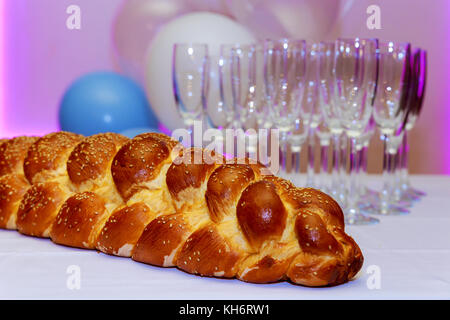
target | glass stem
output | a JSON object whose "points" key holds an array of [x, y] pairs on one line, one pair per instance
{"points": [[352, 198], [357, 168], [343, 172], [385, 194], [296, 160], [404, 162], [363, 169], [336, 168], [397, 192], [310, 169], [283, 150], [190, 129], [324, 169], [251, 145]]}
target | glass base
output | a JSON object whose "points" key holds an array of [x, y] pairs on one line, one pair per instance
{"points": [[404, 203], [353, 216], [359, 219], [367, 208], [366, 201], [371, 193], [416, 192], [392, 210], [370, 204], [369, 198], [410, 197]]}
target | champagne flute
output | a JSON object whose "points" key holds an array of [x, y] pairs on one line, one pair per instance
{"points": [[190, 77], [389, 114], [355, 78], [414, 109], [328, 107], [310, 106], [284, 77]]}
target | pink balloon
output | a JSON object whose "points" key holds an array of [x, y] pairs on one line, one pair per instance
{"points": [[135, 25], [307, 19]]}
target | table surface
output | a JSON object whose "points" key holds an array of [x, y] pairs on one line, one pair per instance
{"points": [[408, 256]]}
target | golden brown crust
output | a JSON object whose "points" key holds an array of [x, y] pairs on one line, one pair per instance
{"points": [[139, 161], [300, 198], [265, 270], [353, 254], [13, 153], [48, 154], [77, 223], [312, 270], [186, 173], [331, 210], [161, 240], [12, 189], [92, 157], [313, 236], [207, 218], [207, 253], [123, 229], [224, 189], [39, 207], [261, 213]]}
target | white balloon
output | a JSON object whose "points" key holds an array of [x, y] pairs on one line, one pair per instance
{"points": [[200, 27]]}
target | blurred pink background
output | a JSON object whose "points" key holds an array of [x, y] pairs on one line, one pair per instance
{"points": [[41, 57]]}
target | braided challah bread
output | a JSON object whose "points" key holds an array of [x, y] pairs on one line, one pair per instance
{"points": [[152, 200]]}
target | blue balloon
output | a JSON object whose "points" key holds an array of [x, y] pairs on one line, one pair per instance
{"points": [[104, 102], [133, 132]]}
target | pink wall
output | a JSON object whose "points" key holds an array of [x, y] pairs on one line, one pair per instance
{"points": [[42, 57]]}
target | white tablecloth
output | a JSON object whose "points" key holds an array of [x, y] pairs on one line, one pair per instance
{"points": [[411, 253]]}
